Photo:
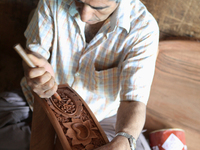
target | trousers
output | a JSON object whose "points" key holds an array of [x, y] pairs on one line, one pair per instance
{"points": [[15, 120]]}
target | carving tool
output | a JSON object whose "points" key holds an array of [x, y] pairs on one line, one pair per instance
{"points": [[24, 56]]}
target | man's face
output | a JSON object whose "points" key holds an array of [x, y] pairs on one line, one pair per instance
{"points": [[95, 11]]}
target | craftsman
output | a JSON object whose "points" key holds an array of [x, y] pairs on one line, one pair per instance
{"points": [[104, 49]]}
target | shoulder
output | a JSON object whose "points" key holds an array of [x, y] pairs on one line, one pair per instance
{"points": [[54, 6], [141, 18], [53, 3]]}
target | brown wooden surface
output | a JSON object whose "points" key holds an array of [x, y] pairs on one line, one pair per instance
{"points": [[176, 17], [58, 145], [42, 131], [175, 96], [49, 118]]}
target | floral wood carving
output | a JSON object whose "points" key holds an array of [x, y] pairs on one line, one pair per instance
{"points": [[75, 119]]}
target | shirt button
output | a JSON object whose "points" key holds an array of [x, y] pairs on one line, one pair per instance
{"points": [[77, 74]]}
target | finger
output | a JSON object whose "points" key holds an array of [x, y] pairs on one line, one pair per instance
{"points": [[50, 92], [32, 83], [26, 68], [38, 90], [36, 60], [49, 84], [35, 72], [39, 82], [46, 90]]}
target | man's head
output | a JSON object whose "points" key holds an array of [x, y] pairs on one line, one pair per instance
{"points": [[95, 11]]}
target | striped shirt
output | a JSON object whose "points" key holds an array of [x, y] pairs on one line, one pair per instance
{"points": [[118, 64]]}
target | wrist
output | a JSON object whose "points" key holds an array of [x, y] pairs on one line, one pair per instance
{"points": [[131, 140], [121, 142]]}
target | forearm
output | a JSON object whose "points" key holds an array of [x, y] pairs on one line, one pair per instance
{"points": [[131, 118]]}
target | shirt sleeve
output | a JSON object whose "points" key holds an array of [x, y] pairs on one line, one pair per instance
{"points": [[39, 36], [139, 63], [39, 33]]}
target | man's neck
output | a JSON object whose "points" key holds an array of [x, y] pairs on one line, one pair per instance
{"points": [[91, 30]]}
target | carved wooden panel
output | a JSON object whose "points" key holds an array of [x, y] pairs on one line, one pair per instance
{"points": [[73, 121]]}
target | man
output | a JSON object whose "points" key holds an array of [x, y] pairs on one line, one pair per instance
{"points": [[105, 50]]}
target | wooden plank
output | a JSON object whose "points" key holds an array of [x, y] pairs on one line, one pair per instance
{"points": [[42, 131], [175, 98], [58, 145]]}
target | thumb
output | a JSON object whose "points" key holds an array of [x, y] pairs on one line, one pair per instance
{"points": [[37, 61], [40, 61]]}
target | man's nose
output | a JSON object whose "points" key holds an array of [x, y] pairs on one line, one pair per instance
{"points": [[86, 13]]}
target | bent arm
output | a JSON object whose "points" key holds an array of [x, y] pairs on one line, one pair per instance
{"points": [[131, 117]]}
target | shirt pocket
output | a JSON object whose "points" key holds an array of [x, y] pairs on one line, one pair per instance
{"points": [[107, 82]]}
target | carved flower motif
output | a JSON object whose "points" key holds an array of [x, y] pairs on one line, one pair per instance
{"points": [[80, 132]]}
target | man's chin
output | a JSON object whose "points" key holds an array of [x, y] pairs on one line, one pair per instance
{"points": [[92, 22]]}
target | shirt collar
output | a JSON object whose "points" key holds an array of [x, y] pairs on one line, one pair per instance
{"points": [[72, 7], [120, 17]]}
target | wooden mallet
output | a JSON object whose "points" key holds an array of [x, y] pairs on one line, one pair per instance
{"points": [[24, 56]]}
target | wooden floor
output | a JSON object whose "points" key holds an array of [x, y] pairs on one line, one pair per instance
{"points": [[175, 96]]}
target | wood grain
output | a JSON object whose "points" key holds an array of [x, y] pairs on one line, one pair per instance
{"points": [[175, 95], [42, 131]]}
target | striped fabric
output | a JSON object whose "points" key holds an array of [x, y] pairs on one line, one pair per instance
{"points": [[117, 64]]}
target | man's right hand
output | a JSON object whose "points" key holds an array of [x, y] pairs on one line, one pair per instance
{"points": [[40, 79]]}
